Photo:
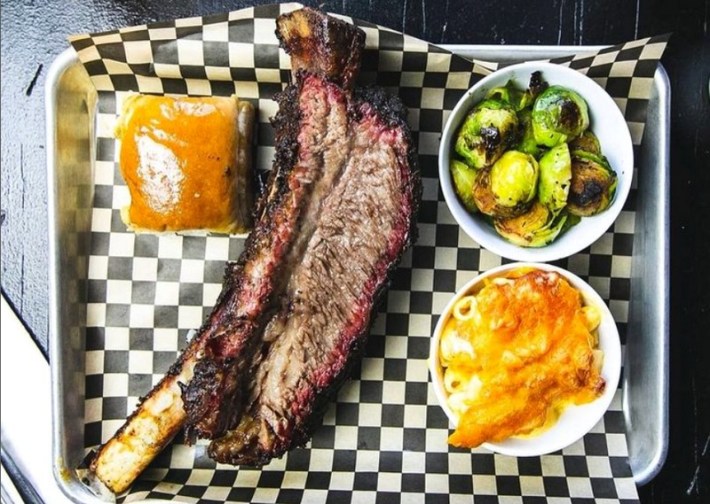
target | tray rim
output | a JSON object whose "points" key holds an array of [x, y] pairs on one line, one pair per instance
{"points": [[68, 58], [68, 485]]}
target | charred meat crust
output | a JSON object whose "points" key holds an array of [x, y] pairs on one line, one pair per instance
{"points": [[322, 45], [285, 123], [390, 109]]}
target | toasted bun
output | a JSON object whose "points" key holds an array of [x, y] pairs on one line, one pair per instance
{"points": [[187, 163]]}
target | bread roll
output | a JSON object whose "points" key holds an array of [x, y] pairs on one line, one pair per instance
{"points": [[187, 163]]}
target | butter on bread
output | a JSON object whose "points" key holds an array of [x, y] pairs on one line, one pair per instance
{"points": [[187, 163]]}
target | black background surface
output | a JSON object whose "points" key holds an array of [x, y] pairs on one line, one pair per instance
{"points": [[34, 33]]}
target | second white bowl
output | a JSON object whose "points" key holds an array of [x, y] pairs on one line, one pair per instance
{"points": [[575, 421]]}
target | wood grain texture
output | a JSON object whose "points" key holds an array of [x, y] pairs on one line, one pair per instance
{"points": [[34, 33]]}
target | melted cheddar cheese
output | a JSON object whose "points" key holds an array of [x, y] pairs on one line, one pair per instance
{"points": [[515, 354], [185, 162]]}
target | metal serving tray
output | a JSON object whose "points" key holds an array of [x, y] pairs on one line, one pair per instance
{"points": [[71, 112]]}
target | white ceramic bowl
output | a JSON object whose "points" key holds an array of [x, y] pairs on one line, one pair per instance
{"points": [[575, 421], [607, 123]]}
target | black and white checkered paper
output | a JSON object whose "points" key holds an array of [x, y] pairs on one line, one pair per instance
{"points": [[385, 438]]}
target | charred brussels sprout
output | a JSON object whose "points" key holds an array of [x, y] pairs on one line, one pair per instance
{"points": [[486, 133], [464, 178], [508, 187], [535, 228], [593, 184], [559, 114], [587, 142], [555, 177]]}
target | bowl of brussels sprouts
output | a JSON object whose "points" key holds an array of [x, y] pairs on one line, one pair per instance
{"points": [[536, 162]]}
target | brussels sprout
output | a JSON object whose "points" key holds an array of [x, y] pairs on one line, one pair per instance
{"points": [[486, 133], [501, 93], [508, 187], [514, 178], [464, 178], [587, 142], [535, 228], [559, 114], [593, 184], [527, 141], [555, 176], [517, 98]]}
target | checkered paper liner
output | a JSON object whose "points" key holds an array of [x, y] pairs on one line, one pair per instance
{"points": [[385, 438]]}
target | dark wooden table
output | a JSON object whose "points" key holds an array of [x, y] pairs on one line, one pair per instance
{"points": [[34, 33]]}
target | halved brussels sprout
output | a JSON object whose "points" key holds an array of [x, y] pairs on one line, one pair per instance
{"points": [[508, 187], [527, 141], [535, 228], [486, 133], [514, 178], [559, 114], [587, 142], [555, 177], [464, 178], [593, 184]]}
